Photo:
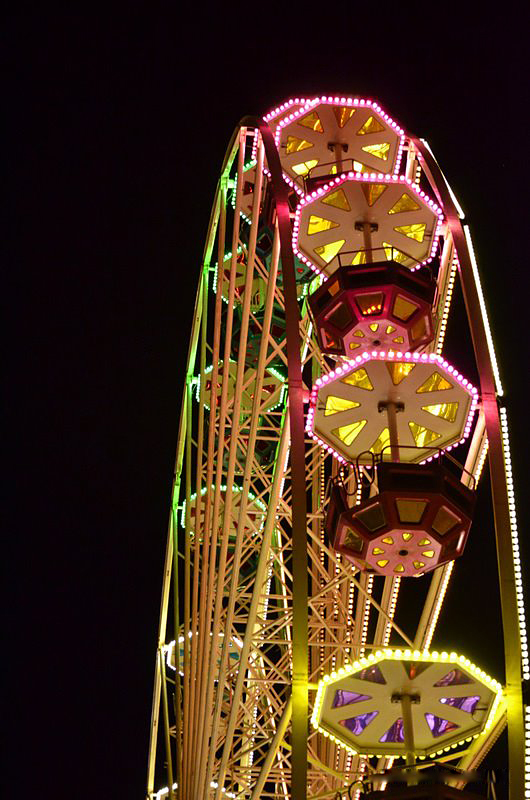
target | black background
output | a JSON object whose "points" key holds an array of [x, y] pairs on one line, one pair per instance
{"points": [[117, 125]]}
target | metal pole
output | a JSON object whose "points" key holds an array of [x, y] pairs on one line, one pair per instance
{"points": [[209, 642], [299, 504], [337, 148], [201, 558], [161, 639], [227, 514], [408, 731], [178, 694], [271, 754], [190, 623], [248, 467], [167, 737], [391, 409], [367, 238]]}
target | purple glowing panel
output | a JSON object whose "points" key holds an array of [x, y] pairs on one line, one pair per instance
{"points": [[357, 724], [454, 678], [372, 674], [468, 704], [344, 698], [439, 726], [395, 733]]}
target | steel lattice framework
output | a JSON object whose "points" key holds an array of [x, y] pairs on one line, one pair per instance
{"points": [[226, 681]]}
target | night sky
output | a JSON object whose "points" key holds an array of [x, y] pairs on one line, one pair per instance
{"points": [[118, 125]]}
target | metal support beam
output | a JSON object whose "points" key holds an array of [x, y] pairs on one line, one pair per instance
{"points": [[165, 708], [273, 750], [300, 715], [489, 384]]}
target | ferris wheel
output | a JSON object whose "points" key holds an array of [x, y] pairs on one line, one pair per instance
{"points": [[327, 462]]}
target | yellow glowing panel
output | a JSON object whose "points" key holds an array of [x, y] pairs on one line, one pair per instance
{"points": [[435, 383], [399, 568], [372, 125], [304, 167], [419, 329], [294, 145], [353, 541], [388, 540], [370, 303], [360, 334], [393, 254], [360, 379], [318, 224], [423, 436], [410, 511], [382, 563], [327, 252], [372, 192], [398, 370], [312, 121], [403, 308], [354, 346], [418, 564], [358, 166], [424, 542], [337, 199], [372, 517], [377, 551], [428, 553], [336, 404], [374, 327], [416, 231], [398, 340], [390, 329], [383, 440], [446, 411], [348, 433], [405, 203], [359, 258], [343, 114], [333, 170], [444, 521], [378, 150], [406, 537]]}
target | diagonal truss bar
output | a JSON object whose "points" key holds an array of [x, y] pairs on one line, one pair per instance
{"points": [[256, 595]]}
